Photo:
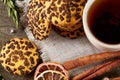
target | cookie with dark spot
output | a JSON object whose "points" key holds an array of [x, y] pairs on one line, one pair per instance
{"points": [[70, 34], [37, 22], [64, 14], [19, 60]]}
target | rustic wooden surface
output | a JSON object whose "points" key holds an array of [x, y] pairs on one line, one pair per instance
{"points": [[6, 24]]}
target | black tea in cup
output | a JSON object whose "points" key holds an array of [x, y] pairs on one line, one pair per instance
{"points": [[104, 20]]}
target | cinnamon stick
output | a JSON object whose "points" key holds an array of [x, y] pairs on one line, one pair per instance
{"points": [[90, 71], [117, 78], [89, 59], [98, 70]]}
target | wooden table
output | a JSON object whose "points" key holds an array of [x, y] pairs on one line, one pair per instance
{"points": [[6, 24]]}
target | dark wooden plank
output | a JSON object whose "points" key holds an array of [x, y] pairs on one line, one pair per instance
{"points": [[6, 24]]}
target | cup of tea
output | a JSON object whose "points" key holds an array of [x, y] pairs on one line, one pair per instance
{"points": [[101, 21]]}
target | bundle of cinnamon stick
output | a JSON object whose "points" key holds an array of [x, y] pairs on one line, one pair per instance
{"points": [[97, 70]]}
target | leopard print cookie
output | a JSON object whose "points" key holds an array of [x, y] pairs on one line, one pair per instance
{"points": [[19, 56], [37, 23], [70, 34], [64, 14]]}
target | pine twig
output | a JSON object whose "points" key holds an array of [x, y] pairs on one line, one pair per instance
{"points": [[13, 11]]}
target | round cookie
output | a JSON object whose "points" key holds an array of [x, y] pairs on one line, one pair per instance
{"points": [[37, 22], [70, 34], [19, 56], [65, 13]]}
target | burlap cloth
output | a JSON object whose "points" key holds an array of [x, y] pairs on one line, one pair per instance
{"points": [[59, 49]]}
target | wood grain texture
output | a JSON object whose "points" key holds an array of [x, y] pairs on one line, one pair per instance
{"points": [[6, 24]]}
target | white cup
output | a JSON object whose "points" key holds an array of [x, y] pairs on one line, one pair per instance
{"points": [[96, 42]]}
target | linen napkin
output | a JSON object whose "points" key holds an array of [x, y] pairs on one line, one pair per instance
{"points": [[56, 48]]}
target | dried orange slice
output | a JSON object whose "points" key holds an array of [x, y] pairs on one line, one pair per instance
{"points": [[50, 66], [51, 75]]}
